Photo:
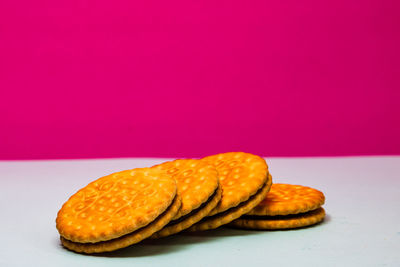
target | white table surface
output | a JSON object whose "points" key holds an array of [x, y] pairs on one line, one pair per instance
{"points": [[362, 227]]}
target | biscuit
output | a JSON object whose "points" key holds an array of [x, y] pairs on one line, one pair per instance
{"points": [[126, 240], [117, 205], [280, 222], [179, 226], [245, 181], [226, 217], [286, 199], [198, 186], [286, 206]]}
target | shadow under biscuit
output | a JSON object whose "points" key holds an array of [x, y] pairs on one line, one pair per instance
{"points": [[219, 232], [185, 239], [170, 244], [138, 250]]}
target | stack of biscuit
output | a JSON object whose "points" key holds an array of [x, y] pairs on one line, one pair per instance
{"points": [[285, 207], [233, 188]]}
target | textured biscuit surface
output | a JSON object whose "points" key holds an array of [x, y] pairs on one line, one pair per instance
{"points": [[241, 175], [129, 239], [286, 199], [226, 217], [186, 223], [299, 220], [116, 205], [196, 181]]}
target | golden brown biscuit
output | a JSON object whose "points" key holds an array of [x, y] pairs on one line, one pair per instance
{"points": [[116, 205], [195, 217], [285, 199], [196, 181], [226, 217], [245, 182], [129, 239], [198, 187], [280, 222], [286, 206]]}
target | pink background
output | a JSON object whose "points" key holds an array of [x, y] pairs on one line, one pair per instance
{"points": [[173, 78]]}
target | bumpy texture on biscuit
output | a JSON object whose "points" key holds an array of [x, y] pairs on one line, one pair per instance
{"points": [[129, 239], [226, 217], [300, 220], [286, 199], [241, 175], [116, 205], [186, 223], [196, 181]]}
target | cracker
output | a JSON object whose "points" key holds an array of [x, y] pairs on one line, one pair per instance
{"points": [[116, 205], [280, 222], [196, 181], [286, 199], [241, 175], [126, 240], [186, 223], [229, 215]]}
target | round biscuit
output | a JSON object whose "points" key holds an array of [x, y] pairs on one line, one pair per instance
{"points": [[241, 175], [115, 205], [226, 217], [196, 181], [284, 199], [301, 220], [129, 239], [200, 214]]}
